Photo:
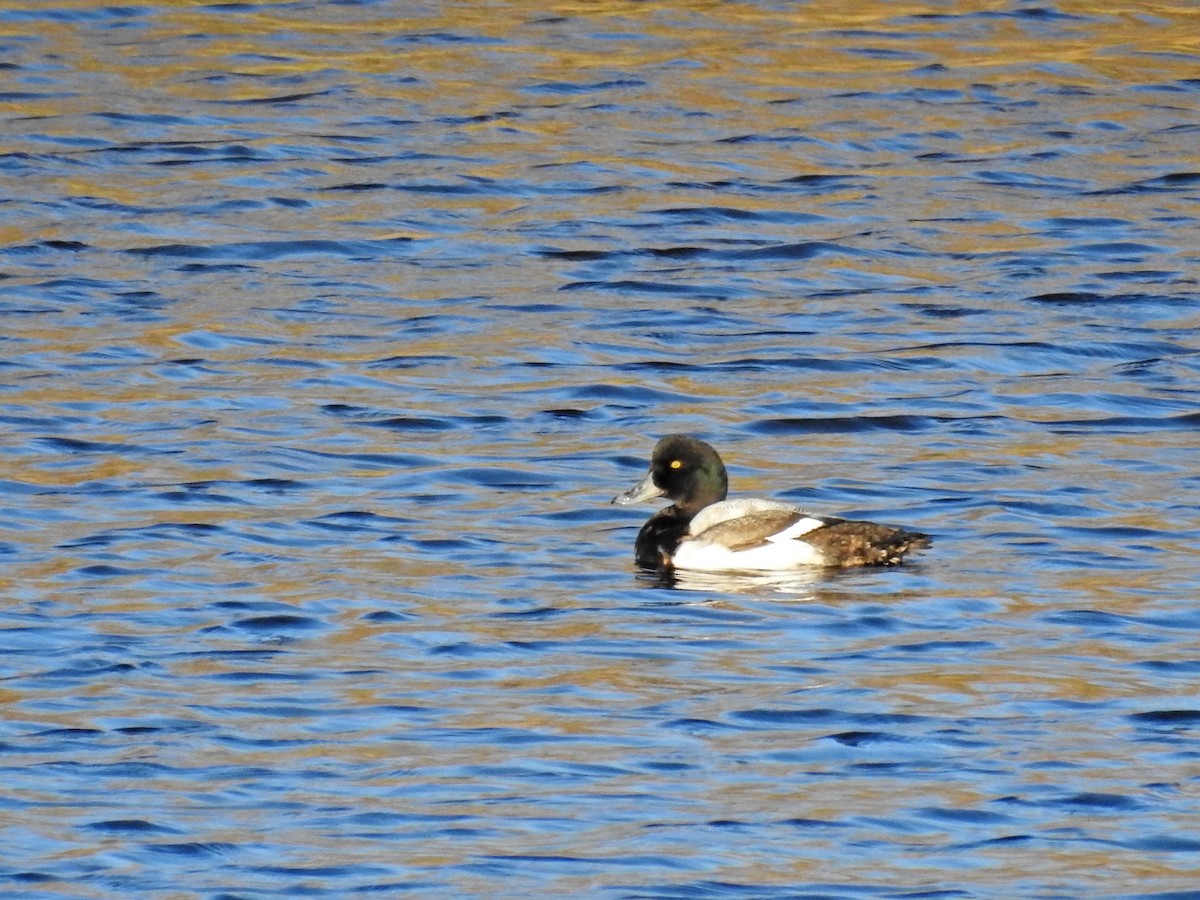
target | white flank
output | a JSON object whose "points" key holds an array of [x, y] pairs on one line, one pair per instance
{"points": [[782, 551], [700, 555]]}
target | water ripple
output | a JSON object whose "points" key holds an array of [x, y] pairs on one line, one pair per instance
{"points": [[328, 339]]}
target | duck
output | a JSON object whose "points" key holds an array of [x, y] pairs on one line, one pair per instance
{"points": [[703, 531]]}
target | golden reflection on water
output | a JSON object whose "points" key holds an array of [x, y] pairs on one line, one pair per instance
{"points": [[723, 37]]}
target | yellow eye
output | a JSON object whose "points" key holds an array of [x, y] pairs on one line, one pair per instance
{"points": [[676, 464]]}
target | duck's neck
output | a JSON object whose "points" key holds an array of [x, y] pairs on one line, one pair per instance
{"points": [[711, 486]]}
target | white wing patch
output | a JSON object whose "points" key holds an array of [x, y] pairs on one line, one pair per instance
{"points": [[804, 526]]}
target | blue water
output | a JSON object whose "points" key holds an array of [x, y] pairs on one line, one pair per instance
{"points": [[328, 331]]}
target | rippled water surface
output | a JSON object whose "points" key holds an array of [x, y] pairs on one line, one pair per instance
{"points": [[328, 330]]}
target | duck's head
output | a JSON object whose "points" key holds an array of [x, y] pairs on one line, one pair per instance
{"points": [[685, 471]]}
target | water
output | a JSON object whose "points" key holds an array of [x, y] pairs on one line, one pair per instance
{"points": [[329, 330]]}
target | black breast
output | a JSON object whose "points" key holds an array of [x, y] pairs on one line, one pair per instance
{"points": [[659, 537]]}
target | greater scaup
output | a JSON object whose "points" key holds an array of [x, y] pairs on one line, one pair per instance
{"points": [[701, 530]]}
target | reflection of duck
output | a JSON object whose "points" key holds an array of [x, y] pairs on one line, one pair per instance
{"points": [[791, 585], [703, 531]]}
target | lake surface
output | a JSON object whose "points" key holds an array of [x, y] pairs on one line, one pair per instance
{"points": [[329, 329]]}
